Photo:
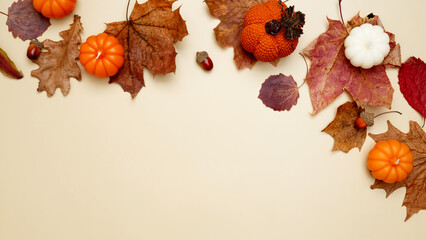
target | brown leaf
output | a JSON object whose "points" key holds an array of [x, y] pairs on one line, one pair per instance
{"points": [[148, 39], [25, 22], [415, 196], [331, 73], [7, 67], [231, 15], [59, 63], [279, 92], [342, 128]]}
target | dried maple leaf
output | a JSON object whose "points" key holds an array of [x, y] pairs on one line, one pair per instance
{"points": [[7, 67], [279, 92], [342, 128], [412, 78], [331, 72], [231, 15], [25, 22], [415, 196], [147, 37], [59, 63]]}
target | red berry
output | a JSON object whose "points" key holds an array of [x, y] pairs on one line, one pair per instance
{"points": [[204, 60], [34, 50], [360, 123]]}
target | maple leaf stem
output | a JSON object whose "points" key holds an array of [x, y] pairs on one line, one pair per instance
{"points": [[388, 112], [341, 15], [306, 64], [127, 10], [4, 14]]}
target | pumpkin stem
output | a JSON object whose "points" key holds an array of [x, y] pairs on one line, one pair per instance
{"points": [[306, 64], [388, 112], [341, 15], [273, 27], [281, 3], [4, 13]]}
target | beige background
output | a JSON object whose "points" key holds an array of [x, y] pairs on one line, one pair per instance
{"points": [[195, 155]]}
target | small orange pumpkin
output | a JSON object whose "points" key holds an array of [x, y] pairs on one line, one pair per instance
{"points": [[102, 55], [390, 161], [257, 37], [54, 8]]}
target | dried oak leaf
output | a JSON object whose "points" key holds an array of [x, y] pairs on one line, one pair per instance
{"points": [[279, 92], [25, 22], [331, 72], [59, 63], [147, 37], [412, 79], [415, 196], [342, 128], [231, 15], [8, 67]]}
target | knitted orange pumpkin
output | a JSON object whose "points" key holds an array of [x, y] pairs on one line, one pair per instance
{"points": [[271, 30]]}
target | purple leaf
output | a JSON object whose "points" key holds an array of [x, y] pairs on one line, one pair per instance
{"points": [[25, 22], [279, 92]]}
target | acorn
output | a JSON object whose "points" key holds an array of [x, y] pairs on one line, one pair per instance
{"points": [[34, 49], [204, 60], [366, 119]]}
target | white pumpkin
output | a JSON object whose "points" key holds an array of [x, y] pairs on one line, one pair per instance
{"points": [[367, 46]]}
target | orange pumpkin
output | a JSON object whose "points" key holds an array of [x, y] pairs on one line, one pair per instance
{"points": [[54, 8], [102, 55], [266, 46], [390, 161]]}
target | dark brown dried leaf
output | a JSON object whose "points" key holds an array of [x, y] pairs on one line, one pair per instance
{"points": [[148, 39], [415, 196], [342, 128]]}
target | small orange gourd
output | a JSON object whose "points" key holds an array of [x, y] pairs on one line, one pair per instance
{"points": [[390, 161], [54, 8], [263, 34], [102, 55]]}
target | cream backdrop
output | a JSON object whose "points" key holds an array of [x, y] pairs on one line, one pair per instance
{"points": [[196, 155]]}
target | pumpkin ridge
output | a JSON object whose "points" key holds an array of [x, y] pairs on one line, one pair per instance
{"points": [[403, 158], [392, 170], [60, 6], [112, 62]]}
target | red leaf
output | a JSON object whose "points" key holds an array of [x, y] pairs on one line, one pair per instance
{"points": [[412, 83], [279, 92], [8, 67], [25, 22], [331, 72]]}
